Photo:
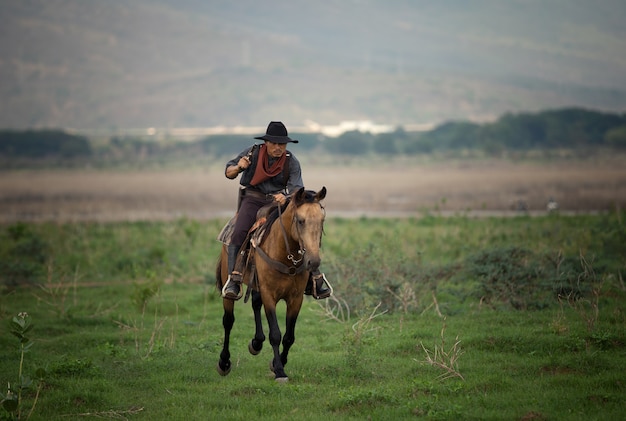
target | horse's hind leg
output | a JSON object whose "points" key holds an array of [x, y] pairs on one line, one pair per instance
{"points": [[256, 344], [228, 320]]}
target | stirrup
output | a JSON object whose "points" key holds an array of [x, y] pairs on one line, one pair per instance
{"points": [[314, 279], [238, 282]]}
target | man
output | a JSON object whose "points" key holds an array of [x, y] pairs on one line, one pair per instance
{"points": [[269, 172]]}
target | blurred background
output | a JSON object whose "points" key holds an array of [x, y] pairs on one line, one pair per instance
{"points": [[126, 64], [478, 104]]}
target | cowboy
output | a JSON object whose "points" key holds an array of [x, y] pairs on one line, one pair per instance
{"points": [[269, 173]]}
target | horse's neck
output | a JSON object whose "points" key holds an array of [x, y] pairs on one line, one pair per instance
{"points": [[280, 230]]}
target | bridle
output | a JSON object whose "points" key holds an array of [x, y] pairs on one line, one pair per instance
{"points": [[296, 266]]}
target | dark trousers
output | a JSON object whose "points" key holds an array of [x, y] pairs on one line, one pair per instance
{"points": [[246, 217]]}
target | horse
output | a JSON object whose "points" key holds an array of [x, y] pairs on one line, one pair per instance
{"points": [[278, 268]]}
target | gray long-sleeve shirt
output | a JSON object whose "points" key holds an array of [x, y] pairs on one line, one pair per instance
{"points": [[275, 184]]}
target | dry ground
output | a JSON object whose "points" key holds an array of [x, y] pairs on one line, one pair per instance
{"points": [[397, 190]]}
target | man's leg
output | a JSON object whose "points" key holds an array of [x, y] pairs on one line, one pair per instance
{"points": [[245, 219], [232, 289], [318, 286]]}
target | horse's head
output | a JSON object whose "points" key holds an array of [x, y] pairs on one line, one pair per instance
{"points": [[308, 224]]}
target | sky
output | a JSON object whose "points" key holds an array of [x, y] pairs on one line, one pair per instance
{"points": [[178, 64]]}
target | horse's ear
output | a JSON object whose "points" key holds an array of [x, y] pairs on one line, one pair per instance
{"points": [[321, 194], [299, 195]]}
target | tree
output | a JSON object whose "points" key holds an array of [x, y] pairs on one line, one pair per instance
{"points": [[349, 143], [616, 137], [385, 144], [452, 135]]}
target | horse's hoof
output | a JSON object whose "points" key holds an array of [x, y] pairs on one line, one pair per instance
{"points": [[282, 379], [252, 350], [221, 371]]}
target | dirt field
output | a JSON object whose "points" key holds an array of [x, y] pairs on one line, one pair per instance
{"points": [[483, 188]]}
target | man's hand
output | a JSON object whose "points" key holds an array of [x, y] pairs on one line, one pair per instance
{"points": [[280, 198], [243, 163], [234, 170]]}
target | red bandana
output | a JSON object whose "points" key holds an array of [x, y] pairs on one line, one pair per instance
{"points": [[263, 170]]}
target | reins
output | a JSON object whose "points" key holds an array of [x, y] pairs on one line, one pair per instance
{"points": [[301, 250], [280, 266]]}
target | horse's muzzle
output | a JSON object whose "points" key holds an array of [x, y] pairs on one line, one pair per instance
{"points": [[313, 263]]}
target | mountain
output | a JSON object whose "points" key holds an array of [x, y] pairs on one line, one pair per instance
{"points": [[89, 64]]}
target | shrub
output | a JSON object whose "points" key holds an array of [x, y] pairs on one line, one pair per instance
{"points": [[509, 275], [23, 255]]}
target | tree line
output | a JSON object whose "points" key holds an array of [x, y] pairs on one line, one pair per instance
{"points": [[569, 128], [43, 144]]}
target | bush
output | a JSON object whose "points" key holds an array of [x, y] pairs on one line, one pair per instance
{"points": [[23, 255], [509, 275]]}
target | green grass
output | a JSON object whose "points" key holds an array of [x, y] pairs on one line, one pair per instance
{"points": [[131, 328]]}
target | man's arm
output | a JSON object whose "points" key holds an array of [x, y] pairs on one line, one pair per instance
{"points": [[237, 165]]}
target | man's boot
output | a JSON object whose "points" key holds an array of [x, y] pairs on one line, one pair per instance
{"points": [[318, 286], [232, 288]]}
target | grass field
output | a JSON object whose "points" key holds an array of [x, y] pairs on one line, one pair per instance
{"points": [[440, 318]]}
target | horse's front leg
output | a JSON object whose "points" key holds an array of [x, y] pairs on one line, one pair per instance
{"points": [[293, 309], [228, 320], [276, 365], [256, 344]]}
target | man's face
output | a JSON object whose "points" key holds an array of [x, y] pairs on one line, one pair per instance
{"points": [[275, 150]]}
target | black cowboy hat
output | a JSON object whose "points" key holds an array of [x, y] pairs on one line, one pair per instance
{"points": [[276, 133]]}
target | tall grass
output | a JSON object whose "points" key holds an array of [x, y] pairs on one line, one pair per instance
{"points": [[433, 318]]}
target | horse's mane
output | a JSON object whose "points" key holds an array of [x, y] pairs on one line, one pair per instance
{"points": [[274, 213]]}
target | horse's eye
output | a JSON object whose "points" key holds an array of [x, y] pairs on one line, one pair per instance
{"points": [[301, 221]]}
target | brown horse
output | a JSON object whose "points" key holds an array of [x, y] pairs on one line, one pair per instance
{"points": [[278, 269]]}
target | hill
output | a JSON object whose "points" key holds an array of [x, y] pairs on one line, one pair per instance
{"points": [[192, 63]]}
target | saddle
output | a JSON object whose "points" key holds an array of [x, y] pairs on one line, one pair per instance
{"points": [[245, 262], [261, 219]]}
